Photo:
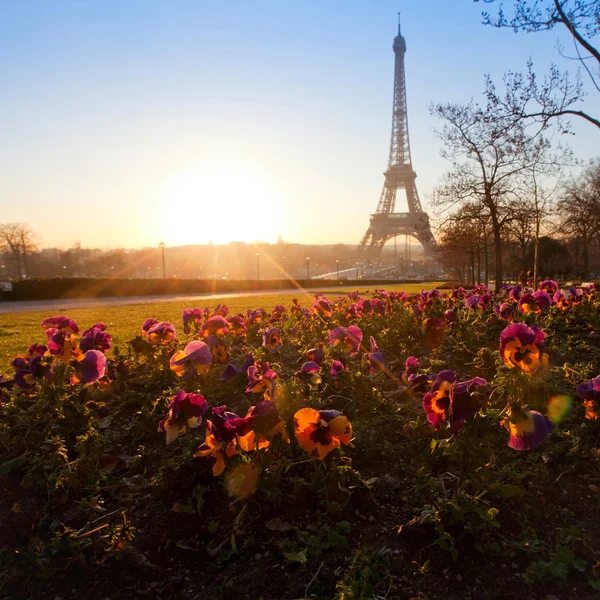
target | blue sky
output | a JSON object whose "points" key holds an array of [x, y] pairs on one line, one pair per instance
{"points": [[124, 124]]}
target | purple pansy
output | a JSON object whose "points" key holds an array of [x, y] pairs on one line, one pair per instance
{"points": [[96, 338], [185, 411], [349, 338], [272, 339], [450, 401]]}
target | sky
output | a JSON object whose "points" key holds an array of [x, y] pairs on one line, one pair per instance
{"points": [[126, 124]]}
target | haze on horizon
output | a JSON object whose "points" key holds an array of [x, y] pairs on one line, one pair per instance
{"points": [[127, 124]]}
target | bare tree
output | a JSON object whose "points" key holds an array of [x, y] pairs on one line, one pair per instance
{"points": [[579, 208], [457, 248], [491, 152], [17, 242], [556, 96]]}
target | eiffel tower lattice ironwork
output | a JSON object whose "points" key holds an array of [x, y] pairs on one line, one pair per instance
{"points": [[385, 223]]}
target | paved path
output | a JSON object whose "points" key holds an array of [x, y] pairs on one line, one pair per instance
{"points": [[23, 306]]}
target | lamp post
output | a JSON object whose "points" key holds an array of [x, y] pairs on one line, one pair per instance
{"points": [[337, 267], [258, 266], [357, 270], [308, 267], [162, 247]]}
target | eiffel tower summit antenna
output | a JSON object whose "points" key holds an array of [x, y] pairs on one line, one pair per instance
{"points": [[386, 224]]}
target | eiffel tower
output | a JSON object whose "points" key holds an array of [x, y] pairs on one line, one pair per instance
{"points": [[385, 223]]}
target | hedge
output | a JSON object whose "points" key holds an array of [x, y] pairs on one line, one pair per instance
{"points": [[65, 287]]}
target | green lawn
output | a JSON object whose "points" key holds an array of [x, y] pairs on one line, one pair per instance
{"points": [[19, 330]]}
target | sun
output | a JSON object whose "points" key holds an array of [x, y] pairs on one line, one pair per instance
{"points": [[219, 203]]}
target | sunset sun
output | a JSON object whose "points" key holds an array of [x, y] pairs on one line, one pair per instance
{"points": [[220, 203]]}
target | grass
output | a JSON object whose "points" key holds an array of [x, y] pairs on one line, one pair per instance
{"points": [[19, 330]]}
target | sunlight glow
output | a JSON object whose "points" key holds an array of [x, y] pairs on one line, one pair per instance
{"points": [[221, 203]]}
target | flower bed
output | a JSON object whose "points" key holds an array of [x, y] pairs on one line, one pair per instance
{"points": [[363, 445]]}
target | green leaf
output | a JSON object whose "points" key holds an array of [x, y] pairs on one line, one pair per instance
{"points": [[141, 346], [12, 465], [594, 584], [558, 570], [579, 564], [562, 554], [296, 556], [509, 491]]}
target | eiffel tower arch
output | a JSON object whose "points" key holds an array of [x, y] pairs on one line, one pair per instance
{"points": [[386, 224]]}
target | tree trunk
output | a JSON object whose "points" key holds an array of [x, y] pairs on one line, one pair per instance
{"points": [[486, 261], [478, 264], [472, 269], [497, 251], [536, 262], [586, 258]]}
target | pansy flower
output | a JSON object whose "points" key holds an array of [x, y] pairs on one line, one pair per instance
{"points": [[420, 383], [222, 310], [320, 432], [515, 292], [527, 428], [452, 402], [354, 311], [519, 347], [375, 357], [261, 424], [161, 334], [590, 394], [146, 326], [450, 316], [411, 366], [474, 303], [185, 412], [434, 331], [62, 323], [37, 350], [216, 325], [217, 348], [505, 311], [220, 441], [258, 315], [96, 338], [195, 357], [192, 319], [62, 344], [278, 313], [232, 370], [89, 368], [272, 339], [316, 354], [348, 338], [561, 301], [337, 369], [309, 373], [30, 369], [296, 308], [534, 303], [549, 286], [322, 307], [237, 324], [575, 295], [262, 381]]}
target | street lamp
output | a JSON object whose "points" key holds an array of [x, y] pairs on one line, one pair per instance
{"points": [[162, 247], [258, 266], [337, 266], [308, 267], [357, 270]]}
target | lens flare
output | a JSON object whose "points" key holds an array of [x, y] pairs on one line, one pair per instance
{"points": [[558, 407], [241, 481]]}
